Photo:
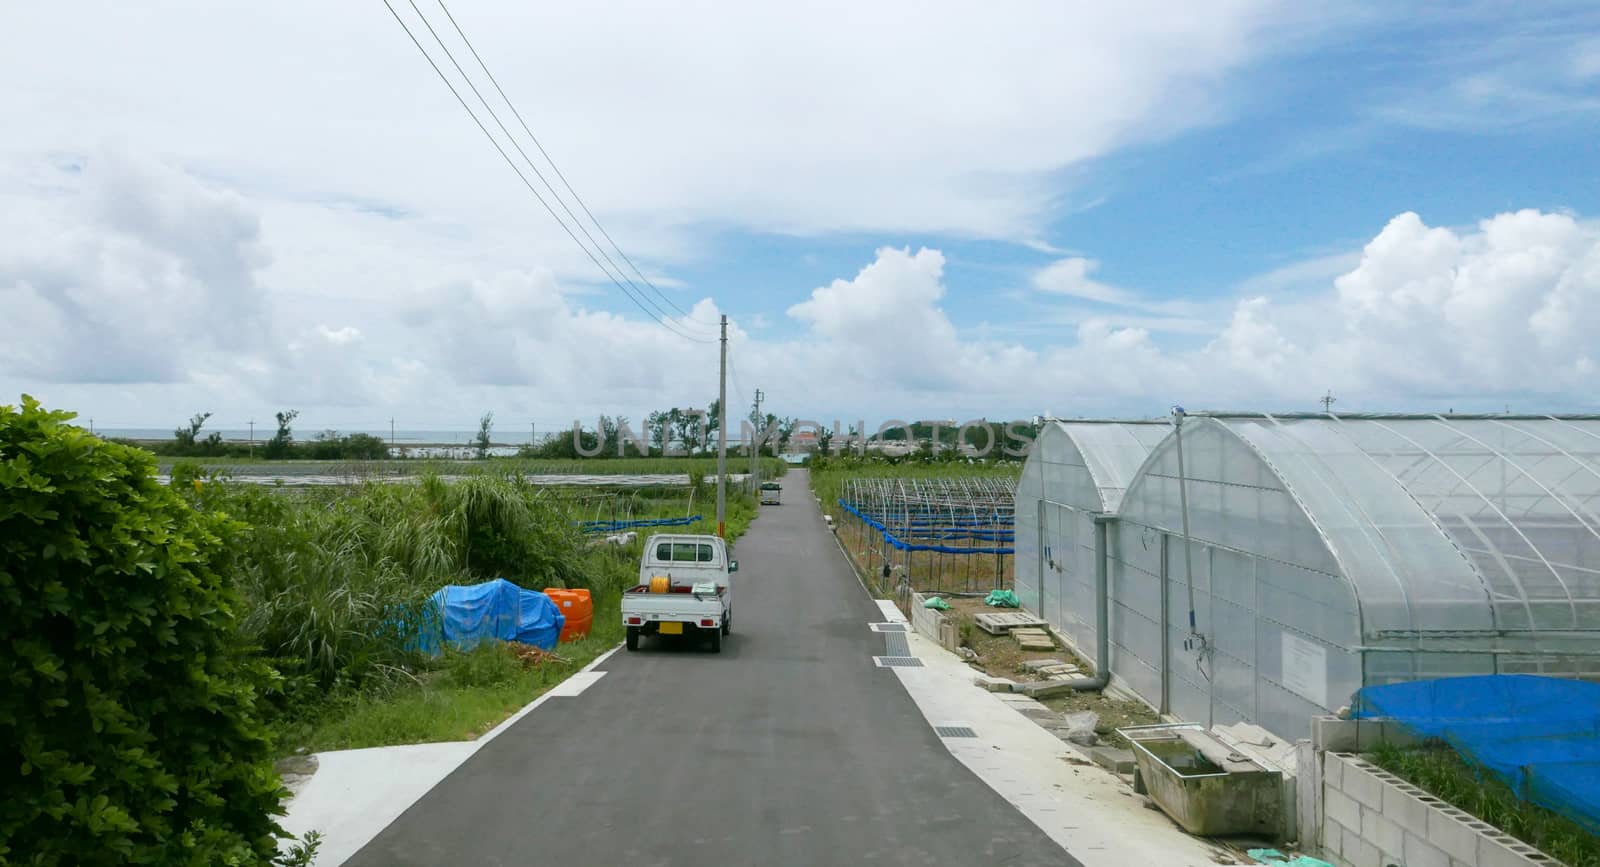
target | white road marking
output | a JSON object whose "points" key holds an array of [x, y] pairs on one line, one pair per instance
{"points": [[576, 684]]}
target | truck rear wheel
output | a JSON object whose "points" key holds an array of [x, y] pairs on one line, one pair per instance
{"points": [[633, 638], [727, 622], [716, 641]]}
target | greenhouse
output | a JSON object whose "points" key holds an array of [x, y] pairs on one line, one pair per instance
{"points": [[1075, 470], [1334, 552], [940, 534]]}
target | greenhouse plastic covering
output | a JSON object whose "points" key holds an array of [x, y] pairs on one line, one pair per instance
{"points": [[1075, 470], [1450, 524], [1327, 553], [1541, 735], [495, 609]]}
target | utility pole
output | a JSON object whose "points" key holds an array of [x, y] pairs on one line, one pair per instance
{"points": [[722, 436], [755, 451], [533, 434], [1327, 401], [91, 425], [252, 438], [391, 431]]}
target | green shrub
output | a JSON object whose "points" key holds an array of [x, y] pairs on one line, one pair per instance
{"points": [[1445, 774], [330, 446], [491, 663], [126, 714]]}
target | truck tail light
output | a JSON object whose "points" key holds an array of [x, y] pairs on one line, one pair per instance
{"points": [[706, 621], [635, 621]]}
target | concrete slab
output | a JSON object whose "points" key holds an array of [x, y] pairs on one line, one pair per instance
{"points": [[357, 793], [994, 684], [891, 612], [1117, 761], [1046, 688], [1087, 810]]}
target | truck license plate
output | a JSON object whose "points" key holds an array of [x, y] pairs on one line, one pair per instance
{"points": [[671, 627]]}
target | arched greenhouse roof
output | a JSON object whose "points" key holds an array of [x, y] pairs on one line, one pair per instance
{"points": [[1088, 463], [1446, 524]]}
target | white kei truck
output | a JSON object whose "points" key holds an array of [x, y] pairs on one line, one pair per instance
{"points": [[684, 589]]}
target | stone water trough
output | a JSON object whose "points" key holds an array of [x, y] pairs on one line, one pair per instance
{"points": [[1205, 785]]}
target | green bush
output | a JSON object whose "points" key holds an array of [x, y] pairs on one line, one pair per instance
{"points": [[491, 663], [126, 713]]}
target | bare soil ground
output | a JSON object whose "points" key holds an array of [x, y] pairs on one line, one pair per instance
{"points": [[1000, 656]]}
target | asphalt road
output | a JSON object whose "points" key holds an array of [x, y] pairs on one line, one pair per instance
{"points": [[789, 747]]}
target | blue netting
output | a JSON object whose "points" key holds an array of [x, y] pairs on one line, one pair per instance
{"points": [[615, 526], [1541, 735], [894, 541]]}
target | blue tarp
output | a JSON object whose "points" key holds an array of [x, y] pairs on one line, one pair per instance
{"points": [[495, 609], [1541, 735]]}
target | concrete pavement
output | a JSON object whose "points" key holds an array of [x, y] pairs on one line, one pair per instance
{"points": [[789, 747]]}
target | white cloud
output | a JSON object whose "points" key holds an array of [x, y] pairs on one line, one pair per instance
{"points": [[1586, 59], [128, 271], [1511, 307], [1499, 74], [1070, 276], [141, 292], [339, 336], [837, 115], [320, 227], [1505, 312]]}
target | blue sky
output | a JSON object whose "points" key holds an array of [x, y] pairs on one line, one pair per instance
{"points": [[907, 209], [1318, 151]]}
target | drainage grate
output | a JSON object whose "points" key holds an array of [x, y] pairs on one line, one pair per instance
{"points": [[888, 627], [897, 661], [896, 645], [954, 732]]}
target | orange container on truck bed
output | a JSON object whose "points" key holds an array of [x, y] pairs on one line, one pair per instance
{"points": [[577, 607]]}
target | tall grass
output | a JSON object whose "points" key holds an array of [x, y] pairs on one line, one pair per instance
{"points": [[336, 581], [1443, 772], [336, 585]]}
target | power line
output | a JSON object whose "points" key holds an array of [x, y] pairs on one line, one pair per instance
{"points": [[525, 158], [524, 178], [557, 169]]}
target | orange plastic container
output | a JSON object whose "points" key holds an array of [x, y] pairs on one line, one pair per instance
{"points": [[577, 607]]}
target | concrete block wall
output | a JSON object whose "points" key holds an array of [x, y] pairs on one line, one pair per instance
{"points": [[1371, 818], [933, 625]]}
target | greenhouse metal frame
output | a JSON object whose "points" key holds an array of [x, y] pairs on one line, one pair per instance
{"points": [[1076, 472], [935, 532], [1295, 558]]}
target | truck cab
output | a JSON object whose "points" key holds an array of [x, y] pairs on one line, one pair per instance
{"points": [[686, 559], [771, 493], [685, 588]]}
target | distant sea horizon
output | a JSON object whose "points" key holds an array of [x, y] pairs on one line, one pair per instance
{"points": [[264, 433]]}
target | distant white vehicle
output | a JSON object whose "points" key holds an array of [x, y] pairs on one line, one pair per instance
{"points": [[684, 588], [771, 493]]}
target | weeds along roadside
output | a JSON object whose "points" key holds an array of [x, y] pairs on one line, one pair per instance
{"points": [[1445, 774], [335, 579]]}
